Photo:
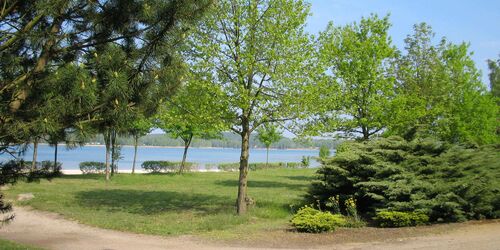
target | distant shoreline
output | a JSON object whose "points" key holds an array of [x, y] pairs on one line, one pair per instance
{"points": [[148, 146]]}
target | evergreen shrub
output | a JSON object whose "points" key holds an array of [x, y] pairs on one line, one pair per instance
{"points": [[446, 182]]}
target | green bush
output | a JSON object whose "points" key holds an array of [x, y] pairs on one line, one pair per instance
{"points": [[400, 219], [263, 165], [44, 165], [446, 182], [310, 220], [294, 165], [229, 167], [92, 167], [166, 166]]}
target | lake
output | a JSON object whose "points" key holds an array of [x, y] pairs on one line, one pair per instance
{"points": [[71, 158]]}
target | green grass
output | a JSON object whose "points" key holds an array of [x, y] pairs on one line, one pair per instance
{"points": [[5, 244], [169, 204]]}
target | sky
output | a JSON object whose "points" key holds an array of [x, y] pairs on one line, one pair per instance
{"points": [[474, 21]]}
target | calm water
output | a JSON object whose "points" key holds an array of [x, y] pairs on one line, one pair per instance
{"points": [[71, 158]]}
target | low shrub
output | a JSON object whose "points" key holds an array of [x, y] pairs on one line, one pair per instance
{"points": [[310, 220], [294, 165], [92, 167], [166, 166], [50, 166], [400, 219], [229, 167], [44, 165], [263, 165]]}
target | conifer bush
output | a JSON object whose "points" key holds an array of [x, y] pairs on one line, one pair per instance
{"points": [[445, 182]]}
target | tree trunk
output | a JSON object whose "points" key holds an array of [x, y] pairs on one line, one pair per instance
{"points": [[241, 204], [35, 154], [136, 141], [267, 156], [55, 157], [366, 133], [107, 141], [112, 156], [186, 147], [113, 152]]}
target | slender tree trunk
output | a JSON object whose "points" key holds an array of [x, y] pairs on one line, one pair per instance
{"points": [[241, 203], [107, 141], [113, 152], [35, 154], [366, 133], [267, 156], [186, 147], [136, 141], [55, 157]]}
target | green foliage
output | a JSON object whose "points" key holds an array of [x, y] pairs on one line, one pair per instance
{"points": [[494, 76], [444, 181], [440, 93], [356, 93], [324, 152], [193, 111], [259, 55], [47, 81], [311, 220], [400, 219], [92, 167], [306, 161], [166, 166], [268, 134]]}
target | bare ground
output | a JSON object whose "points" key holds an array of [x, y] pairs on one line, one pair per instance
{"points": [[51, 231]]}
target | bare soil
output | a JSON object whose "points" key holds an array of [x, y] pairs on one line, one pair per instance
{"points": [[51, 231]]}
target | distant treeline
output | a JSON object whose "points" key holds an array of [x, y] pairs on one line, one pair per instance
{"points": [[227, 140]]}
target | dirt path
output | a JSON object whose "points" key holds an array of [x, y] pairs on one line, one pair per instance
{"points": [[51, 231]]}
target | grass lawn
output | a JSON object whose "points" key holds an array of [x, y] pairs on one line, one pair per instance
{"points": [[5, 244], [169, 204]]}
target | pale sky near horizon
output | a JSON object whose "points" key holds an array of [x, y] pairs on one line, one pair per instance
{"points": [[475, 22]]}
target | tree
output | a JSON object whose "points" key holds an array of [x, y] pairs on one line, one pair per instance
{"points": [[267, 135], [358, 59], [193, 112], [258, 53], [495, 78], [495, 85], [140, 127], [324, 152], [440, 93], [38, 39]]}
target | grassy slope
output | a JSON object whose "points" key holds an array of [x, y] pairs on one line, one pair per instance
{"points": [[194, 203]]}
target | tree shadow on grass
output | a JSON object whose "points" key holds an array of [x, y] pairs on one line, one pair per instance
{"points": [[261, 184], [300, 178], [153, 202], [83, 176]]}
